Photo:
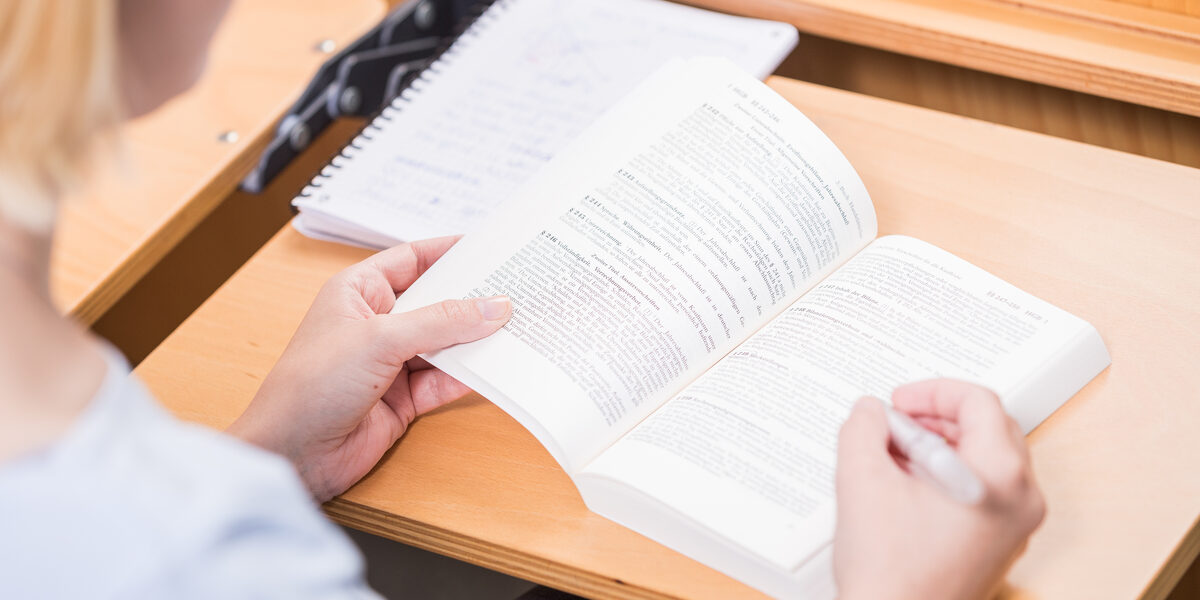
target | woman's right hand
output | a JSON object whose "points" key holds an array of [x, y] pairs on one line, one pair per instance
{"points": [[899, 537]]}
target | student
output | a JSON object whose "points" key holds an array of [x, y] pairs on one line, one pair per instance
{"points": [[104, 495]]}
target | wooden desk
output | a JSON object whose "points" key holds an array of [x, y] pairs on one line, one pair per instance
{"points": [[1006, 61], [1108, 236], [1140, 51], [175, 170]]}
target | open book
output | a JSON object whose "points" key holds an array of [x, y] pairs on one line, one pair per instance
{"points": [[699, 299]]}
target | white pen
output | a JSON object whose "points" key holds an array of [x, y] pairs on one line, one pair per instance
{"points": [[933, 459]]}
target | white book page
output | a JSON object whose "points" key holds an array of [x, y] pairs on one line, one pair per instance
{"points": [[680, 223], [748, 451], [509, 95]]}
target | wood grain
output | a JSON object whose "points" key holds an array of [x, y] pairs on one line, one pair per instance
{"points": [[1105, 235], [1165, 13], [1183, 7], [1116, 50], [1035, 107], [174, 170], [212, 251]]}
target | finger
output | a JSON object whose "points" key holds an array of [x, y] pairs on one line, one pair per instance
{"points": [[380, 277], [432, 388], [947, 429], [401, 265], [404, 335], [940, 398], [986, 435], [975, 409], [863, 453]]}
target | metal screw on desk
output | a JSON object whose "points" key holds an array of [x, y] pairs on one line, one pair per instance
{"points": [[350, 100], [424, 15], [326, 46], [299, 136], [228, 137]]}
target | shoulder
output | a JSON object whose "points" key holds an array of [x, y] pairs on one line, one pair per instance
{"points": [[140, 504], [50, 371]]}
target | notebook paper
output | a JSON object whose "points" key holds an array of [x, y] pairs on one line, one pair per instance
{"points": [[518, 85]]}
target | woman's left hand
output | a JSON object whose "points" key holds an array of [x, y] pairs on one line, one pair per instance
{"points": [[349, 383]]}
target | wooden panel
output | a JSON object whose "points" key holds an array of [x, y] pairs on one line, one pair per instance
{"points": [[1101, 121], [1106, 235], [175, 169], [1164, 17], [212, 251], [1109, 49], [1183, 7], [1188, 587]]}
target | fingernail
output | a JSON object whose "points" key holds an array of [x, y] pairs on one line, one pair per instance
{"points": [[494, 308]]}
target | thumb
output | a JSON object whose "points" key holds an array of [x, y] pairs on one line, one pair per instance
{"points": [[443, 325], [863, 443]]}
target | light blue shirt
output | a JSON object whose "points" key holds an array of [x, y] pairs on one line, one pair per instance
{"points": [[132, 503]]}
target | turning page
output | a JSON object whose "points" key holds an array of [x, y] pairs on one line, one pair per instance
{"points": [[748, 451], [685, 219]]}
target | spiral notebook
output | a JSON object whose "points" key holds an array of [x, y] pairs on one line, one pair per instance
{"points": [[520, 82]]}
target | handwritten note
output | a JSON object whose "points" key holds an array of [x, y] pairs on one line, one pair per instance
{"points": [[517, 86]]}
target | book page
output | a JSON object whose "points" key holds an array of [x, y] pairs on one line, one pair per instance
{"points": [[679, 224], [748, 451], [512, 92]]}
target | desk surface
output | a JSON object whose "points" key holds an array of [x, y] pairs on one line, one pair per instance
{"points": [[174, 170], [1108, 236]]}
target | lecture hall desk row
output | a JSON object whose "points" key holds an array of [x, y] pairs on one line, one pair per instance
{"points": [[177, 168], [1106, 235]]}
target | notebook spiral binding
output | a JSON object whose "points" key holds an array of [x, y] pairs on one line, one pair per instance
{"points": [[470, 28]]}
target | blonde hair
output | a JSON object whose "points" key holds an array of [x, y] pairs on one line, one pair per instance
{"points": [[58, 94]]}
